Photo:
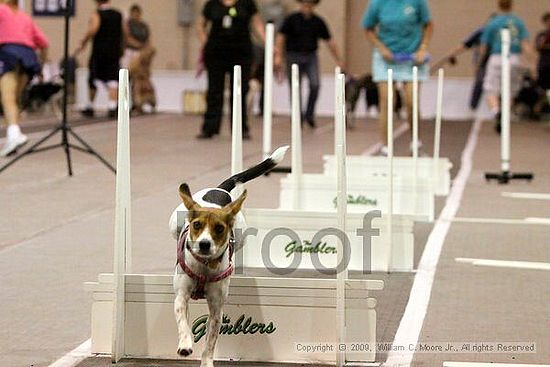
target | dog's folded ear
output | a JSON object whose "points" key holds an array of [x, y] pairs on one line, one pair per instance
{"points": [[186, 197], [234, 207]]}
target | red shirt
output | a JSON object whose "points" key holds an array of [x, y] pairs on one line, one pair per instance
{"points": [[18, 28]]}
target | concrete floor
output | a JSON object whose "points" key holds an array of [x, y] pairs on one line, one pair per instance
{"points": [[56, 232]]}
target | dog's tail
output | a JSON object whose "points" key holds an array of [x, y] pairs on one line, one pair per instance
{"points": [[258, 170]]}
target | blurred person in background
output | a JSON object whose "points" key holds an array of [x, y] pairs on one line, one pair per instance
{"points": [[543, 48], [19, 38], [397, 27], [472, 42], [138, 58], [492, 40], [224, 30], [106, 32], [298, 40]]}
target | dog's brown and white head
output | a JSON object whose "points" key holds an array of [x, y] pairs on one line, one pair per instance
{"points": [[209, 228]]}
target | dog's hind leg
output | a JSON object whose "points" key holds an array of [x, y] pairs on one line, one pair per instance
{"points": [[185, 345], [215, 306]]}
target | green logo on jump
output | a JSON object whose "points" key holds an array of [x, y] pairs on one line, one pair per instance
{"points": [[358, 200], [243, 325], [308, 248]]}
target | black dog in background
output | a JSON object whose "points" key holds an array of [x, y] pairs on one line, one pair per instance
{"points": [[37, 95]]}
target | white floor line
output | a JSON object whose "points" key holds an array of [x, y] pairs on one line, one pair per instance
{"points": [[529, 265], [477, 364], [75, 356], [526, 195], [417, 306], [505, 221], [376, 147]]}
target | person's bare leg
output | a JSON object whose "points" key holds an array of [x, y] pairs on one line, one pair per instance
{"points": [[9, 86], [408, 97], [113, 95], [494, 103], [383, 112], [113, 98]]}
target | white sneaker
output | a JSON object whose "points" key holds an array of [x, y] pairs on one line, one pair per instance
{"points": [[13, 144], [421, 152], [383, 152]]}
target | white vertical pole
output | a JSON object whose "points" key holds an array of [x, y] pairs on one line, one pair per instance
{"points": [[415, 136], [505, 103], [438, 118], [415, 114], [337, 72], [237, 128], [390, 170], [237, 123], [123, 230], [297, 165], [342, 271], [268, 88]]}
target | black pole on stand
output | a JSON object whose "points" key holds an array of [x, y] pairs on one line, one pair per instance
{"points": [[63, 128]]}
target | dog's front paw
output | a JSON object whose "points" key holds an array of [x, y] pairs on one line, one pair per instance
{"points": [[185, 352]]}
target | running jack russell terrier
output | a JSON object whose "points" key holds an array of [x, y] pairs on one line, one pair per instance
{"points": [[206, 243]]}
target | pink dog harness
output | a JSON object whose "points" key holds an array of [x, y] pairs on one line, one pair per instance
{"points": [[201, 280]]}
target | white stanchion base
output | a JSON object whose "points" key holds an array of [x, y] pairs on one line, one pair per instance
{"points": [[282, 312], [366, 166], [282, 250]]}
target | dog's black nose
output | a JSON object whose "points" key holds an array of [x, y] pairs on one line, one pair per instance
{"points": [[204, 245]]}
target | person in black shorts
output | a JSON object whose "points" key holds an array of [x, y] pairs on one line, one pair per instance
{"points": [[299, 36], [473, 41], [228, 43], [106, 32]]}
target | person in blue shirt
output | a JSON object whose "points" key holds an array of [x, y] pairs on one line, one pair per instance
{"points": [[491, 39], [397, 27]]}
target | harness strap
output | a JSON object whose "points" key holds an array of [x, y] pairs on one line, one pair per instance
{"points": [[201, 280]]}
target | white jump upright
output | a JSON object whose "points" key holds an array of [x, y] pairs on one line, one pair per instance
{"points": [[268, 88], [337, 72], [438, 119], [505, 101], [123, 241], [390, 169], [296, 126], [237, 126], [505, 108], [415, 116], [342, 202]]}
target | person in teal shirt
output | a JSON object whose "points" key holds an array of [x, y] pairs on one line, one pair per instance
{"points": [[491, 39], [396, 28]]}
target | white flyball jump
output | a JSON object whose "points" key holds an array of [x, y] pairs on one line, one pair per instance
{"points": [[264, 318], [317, 192], [505, 176], [436, 170]]}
